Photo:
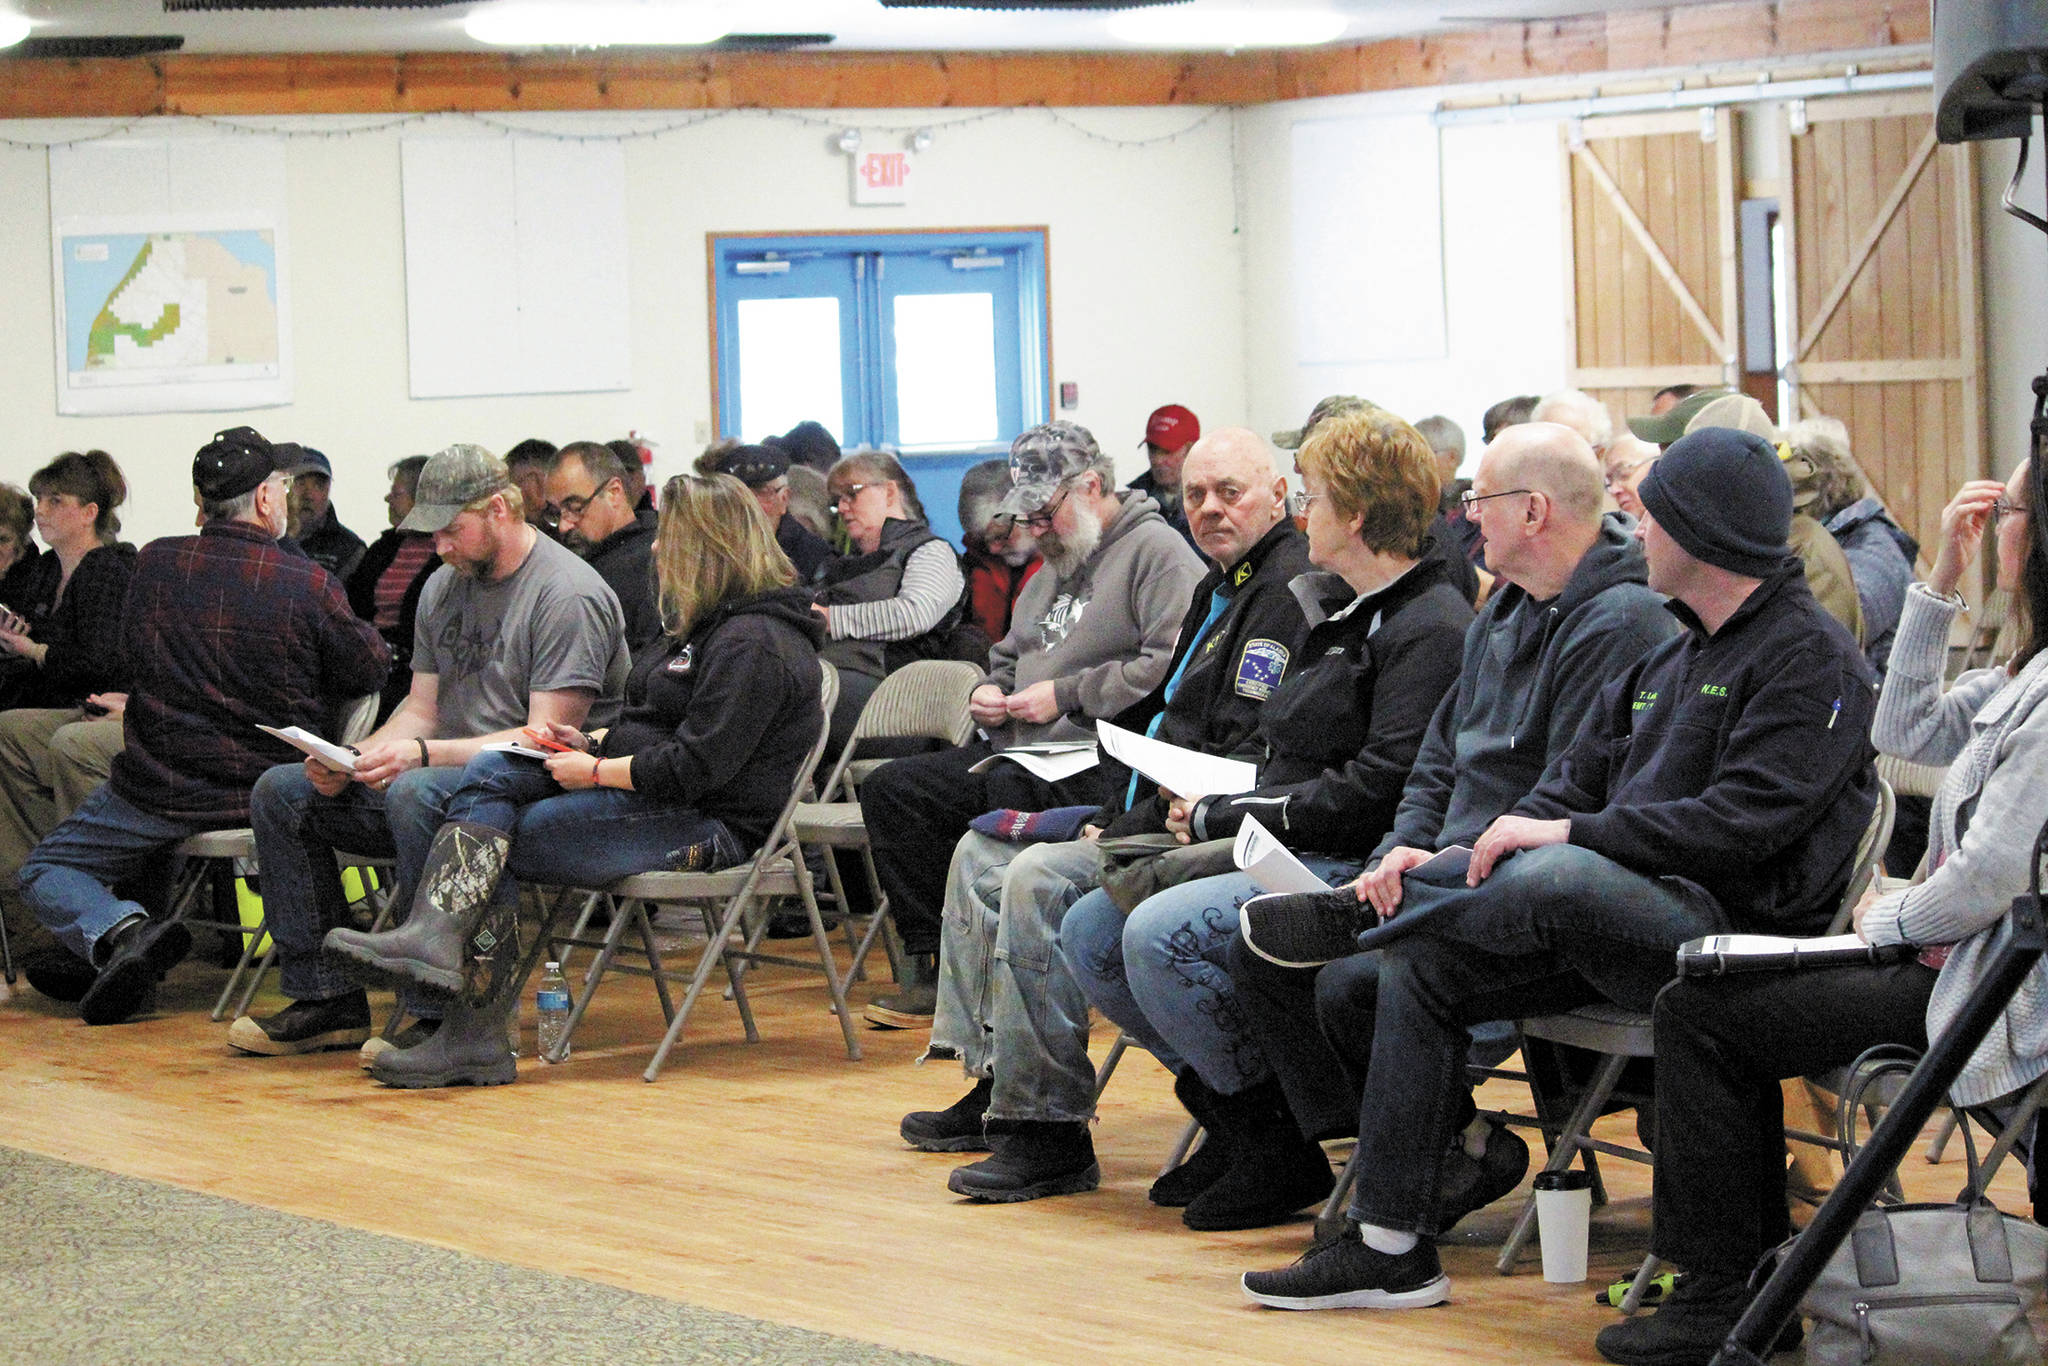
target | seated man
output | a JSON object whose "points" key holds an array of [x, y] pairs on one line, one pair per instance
{"points": [[225, 630], [320, 533], [765, 471], [1722, 783], [593, 515], [514, 630], [999, 556], [1008, 1005], [1571, 615], [1092, 635]]}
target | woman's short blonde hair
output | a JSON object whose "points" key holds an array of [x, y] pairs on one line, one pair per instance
{"points": [[1376, 467], [714, 545]]}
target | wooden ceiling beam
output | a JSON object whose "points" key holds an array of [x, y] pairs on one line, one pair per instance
{"points": [[369, 83]]}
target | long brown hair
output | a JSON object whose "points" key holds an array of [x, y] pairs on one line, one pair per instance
{"points": [[713, 544], [90, 477], [2030, 605]]}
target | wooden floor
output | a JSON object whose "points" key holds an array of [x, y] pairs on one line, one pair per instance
{"points": [[763, 1179]]}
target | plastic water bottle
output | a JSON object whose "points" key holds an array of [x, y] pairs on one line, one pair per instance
{"points": [[551, 1006], [512, 1026]]}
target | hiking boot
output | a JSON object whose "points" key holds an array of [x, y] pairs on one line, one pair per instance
{"points": [[412, 1036], [1343, 1273], [1305, 929], [469, 1049], [137, 953], [1468, 1184], [305, 1027], [433, 947], [1208, 1163], [1689, 1327], [1031, 1159], [1274, 1171], [959, 1128], [58, 973], [916, 996]]}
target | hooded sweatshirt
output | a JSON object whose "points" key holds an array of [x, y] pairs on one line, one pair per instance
{"points": [[1103, 634], [720, 721], [1531, 673]]}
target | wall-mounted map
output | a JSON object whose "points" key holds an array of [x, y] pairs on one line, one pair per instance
{"points": [[173, 306]]}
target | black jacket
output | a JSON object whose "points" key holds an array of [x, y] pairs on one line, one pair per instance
{"points": [[332, 546], [625, 561], [807, 550], [1531, 672], [362, 600], [1341, 734], [1739, 762], [1222, 690], [88, 653], [875, 577], [721, 722]]}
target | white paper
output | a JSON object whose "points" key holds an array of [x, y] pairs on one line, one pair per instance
{"points": [[1049, 766], [514, 747], [1183, 772], [326, 751], [1741, 945], [1269, 862]]}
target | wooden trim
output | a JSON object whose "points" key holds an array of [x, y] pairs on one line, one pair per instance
{"points": [[1571, 260], [1884, 104], [1642, 125], [1866, 244], [1645, 376], [1725, 217], [1883, 371], [1969, 319], [1788, 260], [1675, 35], [1658, 260]]}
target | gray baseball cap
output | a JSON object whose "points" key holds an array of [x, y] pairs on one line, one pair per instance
{"points": [[1042, 459], [452, 480], [1329, 407]]}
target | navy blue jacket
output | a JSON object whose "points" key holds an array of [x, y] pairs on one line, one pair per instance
{"points": [[1739, 762]]}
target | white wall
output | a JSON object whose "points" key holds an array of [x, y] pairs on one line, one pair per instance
{"points": [[1144, 276]]}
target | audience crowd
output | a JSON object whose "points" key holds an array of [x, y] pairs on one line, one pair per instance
{"points": [[1534, 719]]}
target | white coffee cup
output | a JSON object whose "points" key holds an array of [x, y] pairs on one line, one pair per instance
{"points": [[1564, 1214]]}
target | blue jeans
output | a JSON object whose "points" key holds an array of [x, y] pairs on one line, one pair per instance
{"points": [[1006, 1003], [1161, 973], [1551, 929], [68, 879]]}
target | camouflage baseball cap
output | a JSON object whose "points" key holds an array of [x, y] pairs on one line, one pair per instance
{"points": [[450, 482], [1675, 422], [1044, 458], [1329, 407]]}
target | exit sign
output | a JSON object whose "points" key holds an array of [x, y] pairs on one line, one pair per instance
{"points": [[881, 177]]}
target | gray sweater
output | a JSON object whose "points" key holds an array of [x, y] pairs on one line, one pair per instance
{"points": [[1992, 730], [1103, 634]]}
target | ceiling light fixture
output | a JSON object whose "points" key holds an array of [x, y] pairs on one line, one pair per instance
{"points": [[1186, 27], [13, 28], [595, 23]]}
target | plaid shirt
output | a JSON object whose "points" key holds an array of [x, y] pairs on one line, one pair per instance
{"points": [[227, 629]]}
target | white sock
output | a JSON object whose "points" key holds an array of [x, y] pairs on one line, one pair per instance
{"points": [[1392, 1241]]}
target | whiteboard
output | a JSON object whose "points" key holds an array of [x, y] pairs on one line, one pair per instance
{"points": [[515, 266], [1368, 240]]}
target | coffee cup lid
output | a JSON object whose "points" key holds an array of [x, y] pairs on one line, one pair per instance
{"points": [[1562, 1181]]}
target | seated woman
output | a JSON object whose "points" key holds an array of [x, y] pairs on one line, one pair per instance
{"points": [[17, 545], [895, 595], [1386, 636], [73, 597], [719, 715], [1724, 1043]]}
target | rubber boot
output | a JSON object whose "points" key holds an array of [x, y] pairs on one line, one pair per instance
{"points": [[469, 1049], [1208, 1163], [1275, 1172], [449, 910]]}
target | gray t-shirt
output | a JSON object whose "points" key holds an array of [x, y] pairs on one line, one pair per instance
{"points": [[549, 626]]}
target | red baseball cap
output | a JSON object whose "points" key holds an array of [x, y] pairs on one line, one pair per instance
{"points": [[1172, 427]]}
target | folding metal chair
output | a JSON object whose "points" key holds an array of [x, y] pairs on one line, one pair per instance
{"points": [[924, 700], [1190, 1131], [723, 899]]}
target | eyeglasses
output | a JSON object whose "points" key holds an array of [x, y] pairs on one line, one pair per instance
{"points": [[1041, 520], [1616, 473], [572, 506], [1469, 500], [1299, 503], [844, 498], [2006, 507]]}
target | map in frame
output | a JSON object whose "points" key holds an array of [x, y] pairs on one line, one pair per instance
{"points": [[169, 316]]}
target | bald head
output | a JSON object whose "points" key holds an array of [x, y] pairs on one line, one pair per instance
{"points": [[1232, 493], [1580, 411], [1554, 460]]}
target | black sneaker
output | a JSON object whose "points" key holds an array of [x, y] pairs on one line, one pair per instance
{"points": [[141, 953], [1689, 1327], [956, 1129], [1031, 1159], [58, 973], [1305, 929], [305, 1027], [1468, 1184], [1343, 1273]]}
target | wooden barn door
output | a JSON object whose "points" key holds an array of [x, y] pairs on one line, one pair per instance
{"points": [[1651, 236], [1881, 229]]}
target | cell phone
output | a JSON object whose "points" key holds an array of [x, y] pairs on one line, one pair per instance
{"points": [[542, 740]]}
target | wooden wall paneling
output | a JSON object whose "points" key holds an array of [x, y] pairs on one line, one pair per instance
{"points": [[1607, 267], [1658, 194], [1790, 169], [1726, 130], [1625, 159], [1578, 303]]}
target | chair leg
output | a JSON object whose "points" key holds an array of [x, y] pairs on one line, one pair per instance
{"points": [[1938, 1144], [595, 973], [717, 951], [823, 942], [1108, 1068], [1183, 1145], [6, 953], [1562, 1152], [1640, 1286], [256, 980], [251, 937]]}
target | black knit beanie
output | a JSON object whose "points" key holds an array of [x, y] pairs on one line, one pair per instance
{"points": [[1723, 495]]}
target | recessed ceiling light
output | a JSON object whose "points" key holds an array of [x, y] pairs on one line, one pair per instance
{"points": [[596, 23], [1182, 26], [13, 28]]}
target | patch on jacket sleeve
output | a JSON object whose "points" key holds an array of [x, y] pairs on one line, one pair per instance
{"points": [[1259, 669]]}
